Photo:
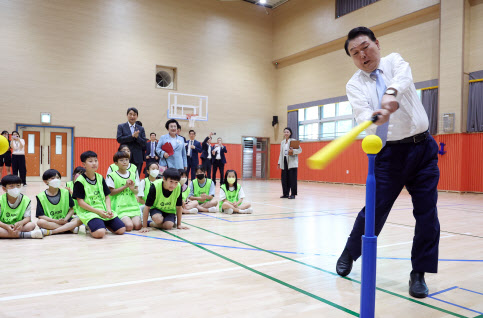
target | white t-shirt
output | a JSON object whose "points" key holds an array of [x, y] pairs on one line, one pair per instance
{"points": [[241, 194], [141, 187], [110, 181], [18, 146]]}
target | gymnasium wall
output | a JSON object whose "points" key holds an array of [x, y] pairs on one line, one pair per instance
{"points": [[87, 61], [460, 167], [476, 36]]}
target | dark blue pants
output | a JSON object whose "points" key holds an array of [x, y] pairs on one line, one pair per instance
{"points": [[192, 164], [414, 166]]}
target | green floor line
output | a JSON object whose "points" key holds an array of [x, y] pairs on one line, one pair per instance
{"points": [[332, 273], [353, 313]]}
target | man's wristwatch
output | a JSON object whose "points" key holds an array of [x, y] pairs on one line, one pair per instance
{"points": [[391, 91]]}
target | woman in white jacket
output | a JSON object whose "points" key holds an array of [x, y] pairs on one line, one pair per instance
{"points": [[288, 162]]}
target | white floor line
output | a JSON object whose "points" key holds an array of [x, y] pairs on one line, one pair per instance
{"points": [[402, 243], [134, 282]]}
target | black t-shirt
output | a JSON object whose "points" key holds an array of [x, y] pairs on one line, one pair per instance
{"points": [[152, 196], [52, 199], [79, 191]]}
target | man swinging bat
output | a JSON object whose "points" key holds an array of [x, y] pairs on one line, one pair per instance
{"points": [[384, 87]]}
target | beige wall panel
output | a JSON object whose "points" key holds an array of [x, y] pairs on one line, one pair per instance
{"points": [[87, 61], [325, 76], [301, 24], [476, 37]]}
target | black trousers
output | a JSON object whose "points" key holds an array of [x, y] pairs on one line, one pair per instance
{"points": [[218, 164], [289, 179], [18, 166], [137, 164], [414, 166], [206, 163]]}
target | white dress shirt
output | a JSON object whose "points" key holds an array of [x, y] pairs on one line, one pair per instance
{"points": [[132, 127], [209, 151], [410, 119], [190, 143], [218, 152]]}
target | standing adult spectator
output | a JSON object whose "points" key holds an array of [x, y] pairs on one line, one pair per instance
{"points": [[206, 155], [6, 158], [133, 135], [288, 161], [179, 134], [219, 160], [18, 157], [192, 150], [178, 158], [151, 155], [409, 157]]}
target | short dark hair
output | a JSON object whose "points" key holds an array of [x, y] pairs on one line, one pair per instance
{"points": [[182, 172], [139, 123], [191, 130], [171, 173], [134, 109], [122, 146], [79, 169], [119, 155], [289, 129], [4, 132], [225, 181], [50, 173], [152, 163], [152, 134], [201, 168], [170, 122], [11, 179], [355, 32], [87, 154]]}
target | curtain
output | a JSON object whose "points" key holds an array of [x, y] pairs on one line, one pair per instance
{"points": [[475, 104], [430, 102], [346, 6], [293, 123]]}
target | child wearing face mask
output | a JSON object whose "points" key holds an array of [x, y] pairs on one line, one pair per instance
{"points": [[232, 195], [15, 221], [145, 184], [202, 189], [189, 207], [124, 188], [55, 207]]}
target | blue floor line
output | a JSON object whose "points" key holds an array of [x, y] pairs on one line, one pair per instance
{"points": [[443, 291], [288, 252], [281, 218], [471, 291], [447, 302]]}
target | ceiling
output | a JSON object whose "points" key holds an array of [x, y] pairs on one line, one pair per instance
{"points": [[270, 3]]}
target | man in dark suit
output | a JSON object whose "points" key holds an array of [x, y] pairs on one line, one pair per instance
{"points": [[150, 153], [206, 155], [219, 160], [133, 135], [193, 148]]}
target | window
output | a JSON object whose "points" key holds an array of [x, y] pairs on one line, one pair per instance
{"points": [[325, 122]]}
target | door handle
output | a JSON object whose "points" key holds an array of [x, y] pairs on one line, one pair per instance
{"points": [[48, 155], [41, 155]]}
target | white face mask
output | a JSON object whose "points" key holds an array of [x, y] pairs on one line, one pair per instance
{"points": [[183, 181], [55, 183], [15, 192], [154, 173]]}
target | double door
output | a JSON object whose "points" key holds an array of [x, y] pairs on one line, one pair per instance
{"points": [[47, 148], [255, 157]]}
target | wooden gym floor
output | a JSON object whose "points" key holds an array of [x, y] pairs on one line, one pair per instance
{"points": [[277, 262]]}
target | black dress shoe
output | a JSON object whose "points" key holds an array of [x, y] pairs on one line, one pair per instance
{"points": [[417, 285], [291, 197], [284, 197], [344, 263]]}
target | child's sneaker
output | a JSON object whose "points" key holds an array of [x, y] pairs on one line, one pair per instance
{"points": [[247, 211], [36, 234], [213, 209], [46, 232], [228, 211], [76, 230], [193, 211]]}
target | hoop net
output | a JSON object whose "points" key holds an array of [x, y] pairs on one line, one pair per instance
{"points": [[191, 119]]}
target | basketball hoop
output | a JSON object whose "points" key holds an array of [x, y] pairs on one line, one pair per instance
{"points": [[191, 118]]}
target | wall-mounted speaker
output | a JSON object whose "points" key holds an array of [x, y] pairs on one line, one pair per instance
{"points": [[274, 120]]}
